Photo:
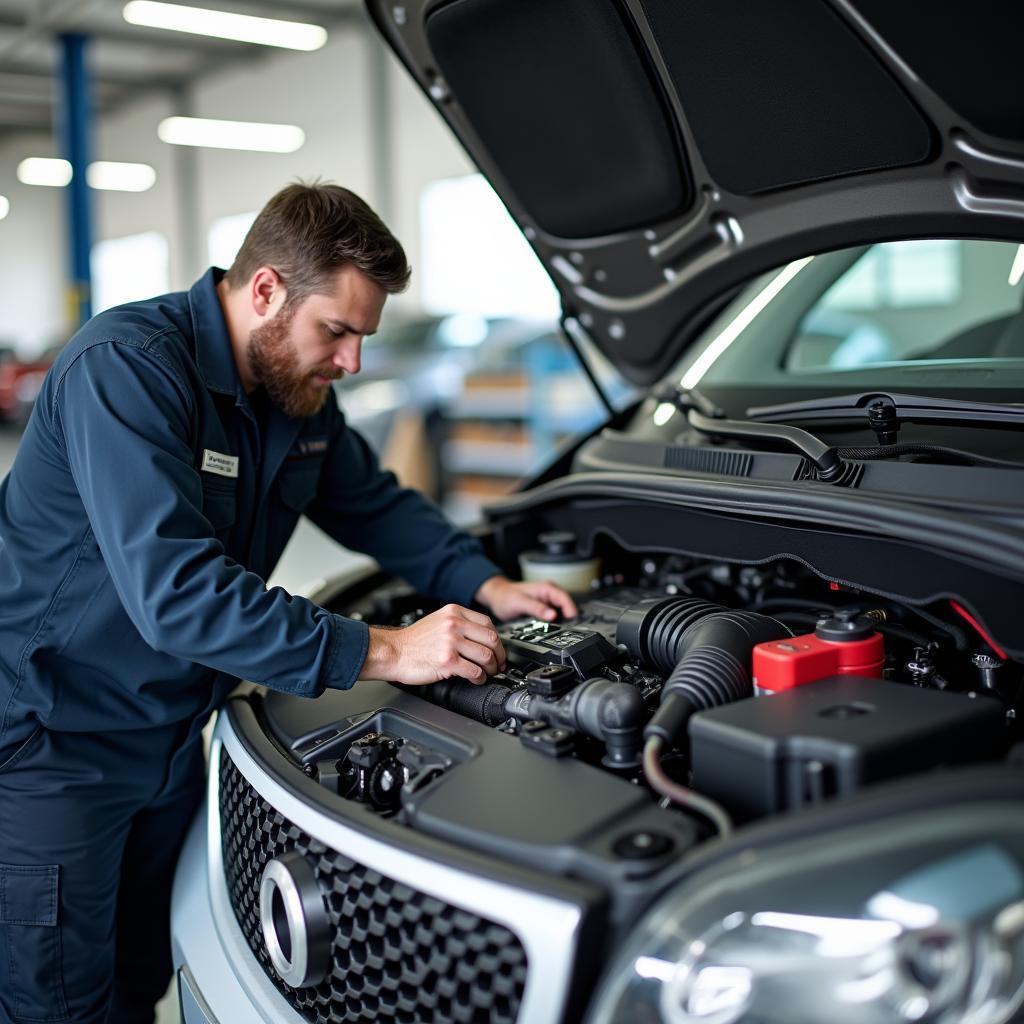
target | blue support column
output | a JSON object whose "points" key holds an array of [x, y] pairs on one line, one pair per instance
{"points": [[75, 124]]}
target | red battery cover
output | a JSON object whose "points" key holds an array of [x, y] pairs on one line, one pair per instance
{"points": [[782, 664]]}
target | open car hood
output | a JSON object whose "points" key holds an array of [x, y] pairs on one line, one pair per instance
{"points": [[657, 153]]}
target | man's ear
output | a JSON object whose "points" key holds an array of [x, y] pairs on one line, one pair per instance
{"points": [[267, 291]]}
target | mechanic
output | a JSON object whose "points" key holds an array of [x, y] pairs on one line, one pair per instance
{"points": [[173, 446]]}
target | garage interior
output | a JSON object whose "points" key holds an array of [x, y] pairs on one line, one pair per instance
{"points": [[81, 83], [446, 394], [633, 434]]}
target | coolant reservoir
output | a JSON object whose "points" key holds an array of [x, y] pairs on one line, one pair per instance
{"points": [[559, 562], [844, 644]]}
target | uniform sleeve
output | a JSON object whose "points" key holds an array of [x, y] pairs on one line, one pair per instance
{"points": [[364, 508], [125, 417]]}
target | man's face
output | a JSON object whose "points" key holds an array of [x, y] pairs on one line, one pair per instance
{"points": [[299, 351]]}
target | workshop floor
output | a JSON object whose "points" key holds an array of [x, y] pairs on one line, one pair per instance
{"points": [[310, 556]]}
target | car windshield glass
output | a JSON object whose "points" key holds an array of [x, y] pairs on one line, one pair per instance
{"points": [[933, 315]]}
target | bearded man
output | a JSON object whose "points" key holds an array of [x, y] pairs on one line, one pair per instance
{"points": [[174, 445]]}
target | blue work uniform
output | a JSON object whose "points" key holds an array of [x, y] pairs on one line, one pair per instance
{"points": [[148, 502]]}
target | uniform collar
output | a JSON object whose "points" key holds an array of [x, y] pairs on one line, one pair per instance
{"points": [[214, 355]]}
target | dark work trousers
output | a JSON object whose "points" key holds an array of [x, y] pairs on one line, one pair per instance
{"points": [[90, 829]]}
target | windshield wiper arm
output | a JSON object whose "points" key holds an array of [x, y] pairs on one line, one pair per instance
{"points": [[827, 461], [886, 410]]}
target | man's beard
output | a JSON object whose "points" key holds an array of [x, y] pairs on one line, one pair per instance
{"points": [[275, 364]]}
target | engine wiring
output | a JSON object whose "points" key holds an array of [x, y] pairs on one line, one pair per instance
{"points": [[978, 628], [680, 794]]}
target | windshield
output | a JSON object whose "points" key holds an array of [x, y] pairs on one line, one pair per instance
{"points": [[941, 316]]}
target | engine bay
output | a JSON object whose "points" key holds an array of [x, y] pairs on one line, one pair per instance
{"points": [[723, 693]]}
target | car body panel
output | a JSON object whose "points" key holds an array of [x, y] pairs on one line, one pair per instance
{"points": [[781, 131]]}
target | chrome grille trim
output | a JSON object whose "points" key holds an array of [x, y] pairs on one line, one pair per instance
{"points": [[548, 928]]}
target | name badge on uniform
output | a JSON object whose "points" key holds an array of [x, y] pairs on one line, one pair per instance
{"points": [[312, 445], [222, 465]]}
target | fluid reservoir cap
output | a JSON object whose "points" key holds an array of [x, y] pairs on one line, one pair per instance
{"points": [[556, 546], [560, 562], [844, 625]]}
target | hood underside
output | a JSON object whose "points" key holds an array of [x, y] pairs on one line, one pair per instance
{"points": [[658, 153]]}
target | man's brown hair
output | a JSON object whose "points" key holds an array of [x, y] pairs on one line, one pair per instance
{"points": [[309, 232]]}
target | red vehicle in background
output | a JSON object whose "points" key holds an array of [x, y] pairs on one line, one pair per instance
{"points": [[20, 382]]}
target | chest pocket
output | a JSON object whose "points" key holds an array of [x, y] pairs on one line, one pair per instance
{"points": [[298, 481], [220, 502]]}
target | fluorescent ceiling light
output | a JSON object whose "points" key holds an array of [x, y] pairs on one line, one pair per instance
{"points": [[202, 131], [292, 35], [114, 176], [5, 206], [109, 175], [44, 170]]}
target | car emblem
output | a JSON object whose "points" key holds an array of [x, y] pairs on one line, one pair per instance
{"points": [[293, 917]]}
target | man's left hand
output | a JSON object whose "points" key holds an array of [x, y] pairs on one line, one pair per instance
{"points": [[508, 599]]}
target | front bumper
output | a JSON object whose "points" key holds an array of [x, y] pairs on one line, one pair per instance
{"points": [[232, 984], [209, 948]]}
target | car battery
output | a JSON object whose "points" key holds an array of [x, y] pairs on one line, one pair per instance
{"points": [[832, 737]]}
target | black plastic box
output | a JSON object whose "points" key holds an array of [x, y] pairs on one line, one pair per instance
{"points": [[831, 737]]}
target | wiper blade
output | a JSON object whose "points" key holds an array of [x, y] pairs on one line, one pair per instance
{"points": [[886, 410]]}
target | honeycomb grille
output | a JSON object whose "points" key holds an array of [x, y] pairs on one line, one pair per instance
{"points": [[398, 954]]}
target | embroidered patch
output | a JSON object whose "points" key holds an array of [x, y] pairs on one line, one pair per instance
{"points": [[222, 465]]}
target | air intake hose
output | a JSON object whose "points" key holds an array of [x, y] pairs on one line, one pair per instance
{"points": [[705, 649], [712, 667], [653, 630], [482, 703]]}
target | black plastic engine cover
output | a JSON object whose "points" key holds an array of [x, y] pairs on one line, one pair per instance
{"points": [[831, 738], [499, 798]]}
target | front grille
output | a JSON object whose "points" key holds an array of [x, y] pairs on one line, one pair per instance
{"points": [[398, 954]]}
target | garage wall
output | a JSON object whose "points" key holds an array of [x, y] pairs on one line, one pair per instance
{"points": [[325, 93], [425, 150], [32, 255], [328, 93]]}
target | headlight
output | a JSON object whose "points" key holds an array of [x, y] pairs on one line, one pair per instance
{"points": [[919, 918]]}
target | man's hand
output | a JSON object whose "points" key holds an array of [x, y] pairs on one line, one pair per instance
{"points": [[509, 600], [452, 641]]}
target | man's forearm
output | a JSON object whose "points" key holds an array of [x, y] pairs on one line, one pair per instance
{"points": [[381, 654]]}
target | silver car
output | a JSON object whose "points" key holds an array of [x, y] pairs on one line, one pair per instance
{"points": [[772, 772]]}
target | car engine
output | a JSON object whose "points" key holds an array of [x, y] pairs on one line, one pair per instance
{"points": [[727, 692]]}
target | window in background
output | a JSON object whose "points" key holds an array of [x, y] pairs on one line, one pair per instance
{"points": [[899, 275], [930, 299], [129, 268], [473, 257], [225, 237]]}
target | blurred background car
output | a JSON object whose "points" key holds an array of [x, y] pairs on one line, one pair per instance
{"points": [[20, 381]]}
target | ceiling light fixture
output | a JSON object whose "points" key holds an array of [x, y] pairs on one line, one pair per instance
{"points": [[244, 28], [116, 176], [5, 206], [51, 172], [107, 175], [251, 135]]}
